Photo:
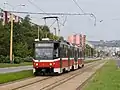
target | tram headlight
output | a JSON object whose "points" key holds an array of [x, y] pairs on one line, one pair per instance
{"points": [[36, 64], [50, 64]]}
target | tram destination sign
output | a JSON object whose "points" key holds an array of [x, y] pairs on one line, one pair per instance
{"points": [[44, 45]]}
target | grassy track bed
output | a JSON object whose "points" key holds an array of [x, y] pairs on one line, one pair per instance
{"points": [[107, 78], [89, 61], [4, 65], [8, 77]]}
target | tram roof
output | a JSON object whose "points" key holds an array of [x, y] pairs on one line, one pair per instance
{"points": [[57, 41], [49, 41]]}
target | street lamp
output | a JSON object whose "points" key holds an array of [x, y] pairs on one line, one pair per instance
{"points": [[11, 31]]}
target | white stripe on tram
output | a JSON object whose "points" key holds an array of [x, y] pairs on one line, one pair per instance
{"points": [[50, 60]]}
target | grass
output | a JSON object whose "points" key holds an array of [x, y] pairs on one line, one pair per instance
{"points": [[107, 78], [3, 65], [8, 77], [89, 61]]}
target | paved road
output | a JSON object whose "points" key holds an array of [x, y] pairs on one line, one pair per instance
{"points": [[15, 69]]}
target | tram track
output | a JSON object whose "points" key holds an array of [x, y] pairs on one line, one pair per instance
{"points": [[31, 83], [58, 79], [14, 85], [80, 87], [56, 84]]}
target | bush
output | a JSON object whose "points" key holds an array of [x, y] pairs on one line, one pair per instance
{"points": [[7, 59], [17, 60], [4, 59], [28, 59]]}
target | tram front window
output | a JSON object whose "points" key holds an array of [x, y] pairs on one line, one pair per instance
{"points": [[44, 53]]}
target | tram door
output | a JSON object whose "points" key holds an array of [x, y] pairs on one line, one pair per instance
{"points": [[61, 56], [69, 56], [76, 58], [75, 55]]}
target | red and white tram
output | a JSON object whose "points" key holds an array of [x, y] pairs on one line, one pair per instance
{"points": [[56, 57]]}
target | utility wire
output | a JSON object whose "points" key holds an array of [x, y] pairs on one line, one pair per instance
{"points": [[39, 8], [91, 14], [68, 14], [52, 24], [78, 6], [47, 14], [36, 6], [59, 13], [50, 13], [65, 20]]}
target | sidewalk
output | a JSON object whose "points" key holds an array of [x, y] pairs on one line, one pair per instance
{"points": [[15, 69]]}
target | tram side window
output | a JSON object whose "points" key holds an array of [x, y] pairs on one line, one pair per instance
{"points": [[63, 51], [72, 53], [69, 52], [81, 55], [66, 51], [56, 51], [78, 53], [75, 55]]}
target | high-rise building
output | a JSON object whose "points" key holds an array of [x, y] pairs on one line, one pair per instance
{"points": [[5, 16], [77, 39]]}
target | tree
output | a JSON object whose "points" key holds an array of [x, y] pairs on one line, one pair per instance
{"points": [[21, 50], [24, 34], [4, 39], [61, 38], [89, 51]]}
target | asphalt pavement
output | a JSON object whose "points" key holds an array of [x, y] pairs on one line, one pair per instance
{"points": [[15, 69]]}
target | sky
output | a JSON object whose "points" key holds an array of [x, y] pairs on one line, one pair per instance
{"points": [[106, 10]]}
